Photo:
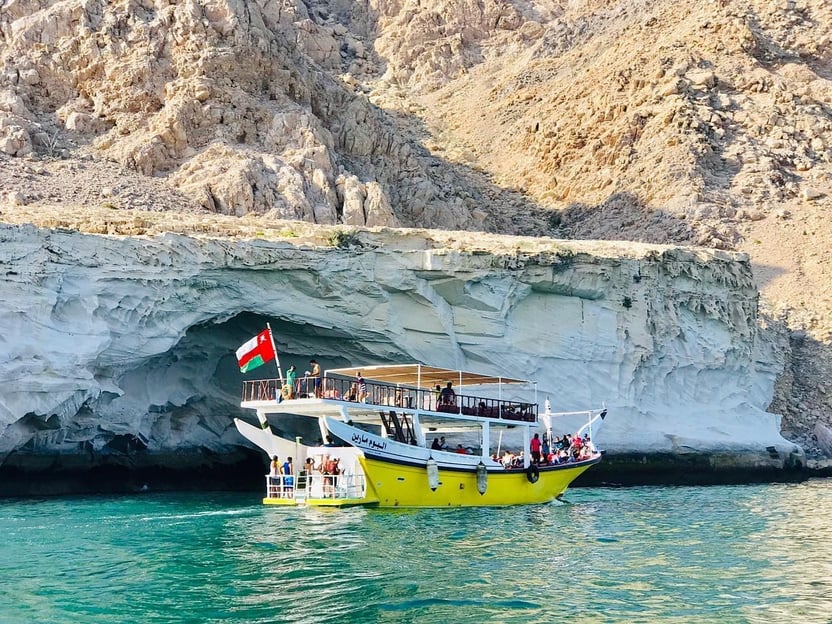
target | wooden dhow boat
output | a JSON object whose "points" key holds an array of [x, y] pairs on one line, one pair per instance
{"points": [[373, 436]]}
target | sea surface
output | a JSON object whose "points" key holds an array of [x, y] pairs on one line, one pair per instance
{"points": [[757, 553]]}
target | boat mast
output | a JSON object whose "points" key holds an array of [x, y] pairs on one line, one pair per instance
{"points": [[486, 440], [276, 357]]}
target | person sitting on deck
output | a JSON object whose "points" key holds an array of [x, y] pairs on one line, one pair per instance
{"points": [[352, 394], [435, 446], [447, 396], [588, 443]]}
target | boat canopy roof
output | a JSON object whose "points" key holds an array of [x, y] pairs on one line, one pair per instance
{"points": [[421, 376]]}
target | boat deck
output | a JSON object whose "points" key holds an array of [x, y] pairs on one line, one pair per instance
{"points": [[382, 396], [317, 490]]}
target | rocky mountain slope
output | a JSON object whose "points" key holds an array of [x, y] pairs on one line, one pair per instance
{"points": [[706, 123]]}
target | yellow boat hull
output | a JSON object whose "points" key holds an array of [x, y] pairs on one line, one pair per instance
{"points": [[399, 485]]}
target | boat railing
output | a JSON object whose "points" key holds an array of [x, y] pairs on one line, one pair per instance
{"points": [[315, 485], [261, 390], [388, 395]]}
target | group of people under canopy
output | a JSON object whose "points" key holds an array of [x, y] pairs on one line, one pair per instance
{"points": [[544, 452]]}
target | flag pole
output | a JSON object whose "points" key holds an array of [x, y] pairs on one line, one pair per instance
{"points": [[276, 357]]}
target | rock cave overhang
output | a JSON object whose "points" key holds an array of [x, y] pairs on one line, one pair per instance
{"points": [[216, 386], [296, 343], [197, 387]]}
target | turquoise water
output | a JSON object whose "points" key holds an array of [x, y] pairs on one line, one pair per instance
{"points": [[711, 554]]}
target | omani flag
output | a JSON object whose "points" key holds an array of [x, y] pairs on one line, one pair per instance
{"points": [[256, 352]]}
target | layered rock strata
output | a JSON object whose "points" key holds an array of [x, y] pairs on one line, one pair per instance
{"points": [[118, 351]]}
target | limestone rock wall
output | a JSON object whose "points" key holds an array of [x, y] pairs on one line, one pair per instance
{"points": [[123, 346]]}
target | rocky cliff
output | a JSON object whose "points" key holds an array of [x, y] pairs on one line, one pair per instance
{"points": [[705, 123], [118, 351]]}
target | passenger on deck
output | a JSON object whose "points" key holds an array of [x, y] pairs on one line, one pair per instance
{"points": [[461, 450], [288, 473], [435, 446], [291, 378], [315, 377], [534, 447], [362, 388], [333, 470], [325, 468], [352, 395], [304, 476], [274, 477], [438, 396], [544, 449], [443, 446], [447, 396]]}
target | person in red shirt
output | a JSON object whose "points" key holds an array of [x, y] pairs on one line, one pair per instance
{"points": [[535, 448]]}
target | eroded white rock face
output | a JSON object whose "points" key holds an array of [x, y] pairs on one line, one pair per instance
{"points": [[105, 337]]}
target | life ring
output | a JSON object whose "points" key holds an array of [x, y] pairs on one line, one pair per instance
{"points": [[286, 391], [532, 473]]}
